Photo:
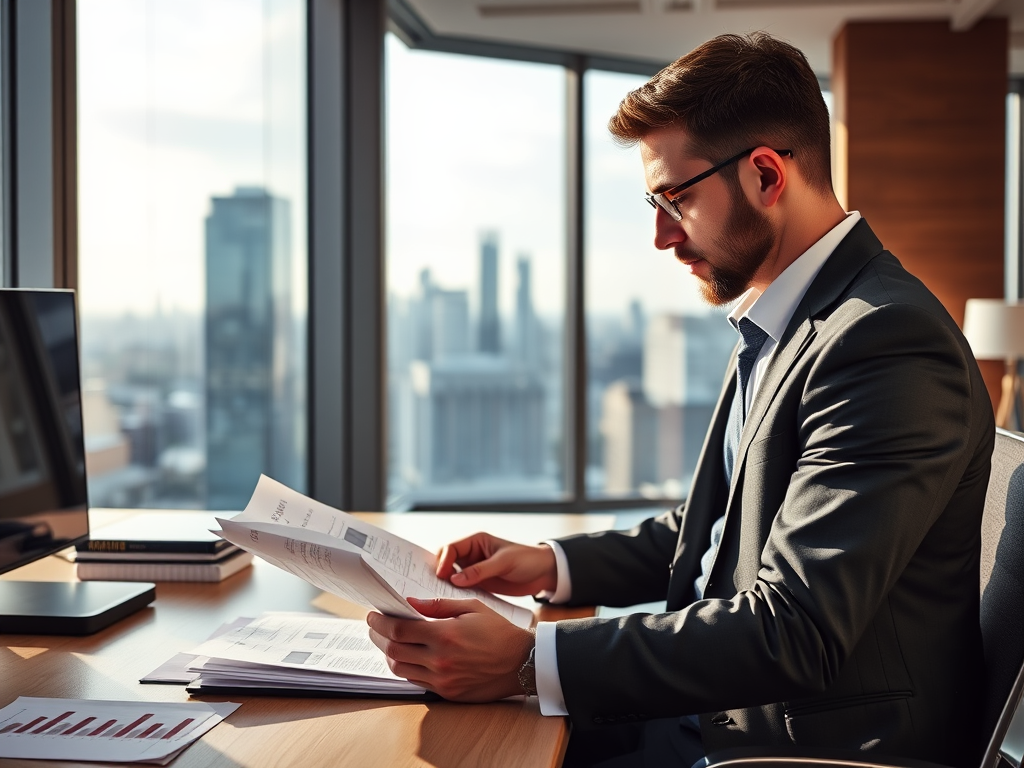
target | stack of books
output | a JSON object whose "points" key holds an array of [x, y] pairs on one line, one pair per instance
{"points": [[159, 546]]}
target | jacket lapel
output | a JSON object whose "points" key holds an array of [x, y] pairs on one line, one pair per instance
{"points": [[831, 283]]}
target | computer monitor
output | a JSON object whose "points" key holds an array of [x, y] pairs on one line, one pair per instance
{"points": [[43, 491]]}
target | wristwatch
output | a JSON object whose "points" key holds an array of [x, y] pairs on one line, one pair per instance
{"points": [[528, 673]]}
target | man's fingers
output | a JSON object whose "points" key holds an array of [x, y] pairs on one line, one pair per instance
{"points": [[496, 566], [440, 608], [446, 561], [466, 552], [405, 653], [414, 673], [399, 630]]}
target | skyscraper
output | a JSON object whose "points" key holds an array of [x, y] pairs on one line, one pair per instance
{"points": [[629, 425], [528, 340], [490, 325], [249, 418], [653, 429]]}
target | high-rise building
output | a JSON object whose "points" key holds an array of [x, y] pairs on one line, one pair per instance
{"points": [[477, 418], [654, 433], [685, 357], [629, 427], [490, 324], [528, 332], [249, 413], [449, 322], [684, 360]]}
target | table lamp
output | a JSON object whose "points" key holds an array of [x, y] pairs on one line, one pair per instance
{"points": [[995, 330]]}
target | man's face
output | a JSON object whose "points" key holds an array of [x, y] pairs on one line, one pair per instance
{"points": [[722, 237]]}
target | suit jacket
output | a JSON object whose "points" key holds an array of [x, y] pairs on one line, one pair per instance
{"points": [[842, 606]]}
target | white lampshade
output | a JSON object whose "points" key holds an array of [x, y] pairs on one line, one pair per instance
{"points": [[994, 329]]}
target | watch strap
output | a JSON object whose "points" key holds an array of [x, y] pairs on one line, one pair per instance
{"points": [[528, 673]]}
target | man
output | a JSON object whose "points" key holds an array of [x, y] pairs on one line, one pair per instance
{"points": [[822, 578]]}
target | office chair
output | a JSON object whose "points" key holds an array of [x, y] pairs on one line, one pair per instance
{"points": [[1002, 631]]}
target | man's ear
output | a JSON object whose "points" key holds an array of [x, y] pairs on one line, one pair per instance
{"points": [[765, 175]]}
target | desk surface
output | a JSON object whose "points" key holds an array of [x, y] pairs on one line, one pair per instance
{"points": [[272, 731]]}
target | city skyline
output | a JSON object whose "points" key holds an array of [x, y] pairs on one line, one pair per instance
{"points": [[164, 134]]}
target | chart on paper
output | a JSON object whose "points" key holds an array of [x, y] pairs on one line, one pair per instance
{"points": [[73, 723], [102, 730]]}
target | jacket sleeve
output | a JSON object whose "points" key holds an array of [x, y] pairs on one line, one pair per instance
{"points": [[623, 567]]}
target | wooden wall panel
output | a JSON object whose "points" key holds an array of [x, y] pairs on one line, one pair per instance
{"points": [[920, 141]]}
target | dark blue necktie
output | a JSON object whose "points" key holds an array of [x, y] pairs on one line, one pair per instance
{"points": [[751, 341]]}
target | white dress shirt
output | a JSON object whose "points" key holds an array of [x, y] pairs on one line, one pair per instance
{"points": [[771, 310]]}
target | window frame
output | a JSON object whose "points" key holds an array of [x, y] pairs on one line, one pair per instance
{"points": [[410, 28], [347, 376], [38, 144]]}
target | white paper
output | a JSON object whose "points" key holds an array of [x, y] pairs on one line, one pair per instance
{"points": [[307, 642], [108, 731], [299, 650], [344, 555], [175, 669]]}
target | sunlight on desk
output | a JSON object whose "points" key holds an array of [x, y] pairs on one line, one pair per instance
{"points": [[300, 732], [26, 653]]}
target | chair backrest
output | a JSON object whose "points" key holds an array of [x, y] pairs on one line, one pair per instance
{"points": [[1002, 585]]}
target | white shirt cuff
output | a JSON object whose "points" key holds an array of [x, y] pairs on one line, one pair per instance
{"points": [[563, 584], [549, 685]]}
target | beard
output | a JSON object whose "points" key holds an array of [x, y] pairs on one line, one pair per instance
{"points": [[744, 247]]}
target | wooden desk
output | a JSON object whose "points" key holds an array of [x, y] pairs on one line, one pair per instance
{"points": [[272, 731]]}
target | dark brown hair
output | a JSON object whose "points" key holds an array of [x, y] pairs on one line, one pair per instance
{"points": [[735, 92]]}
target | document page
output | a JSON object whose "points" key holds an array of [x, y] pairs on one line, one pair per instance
{"points": [[108, 731], [342, 554], [324, 562], [299, 641]]}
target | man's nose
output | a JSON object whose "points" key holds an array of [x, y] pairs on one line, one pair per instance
{"points": [[668, 232]]}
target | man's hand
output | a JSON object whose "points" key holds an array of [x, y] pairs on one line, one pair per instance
{"points": [[498, 565], [473, 655]]}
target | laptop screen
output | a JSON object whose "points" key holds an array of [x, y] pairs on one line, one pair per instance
{"points": [[43, 496]]}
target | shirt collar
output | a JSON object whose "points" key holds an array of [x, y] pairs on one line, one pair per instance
{"points": [[772, 309]]}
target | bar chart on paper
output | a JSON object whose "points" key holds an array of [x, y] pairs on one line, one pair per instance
{"points": [[118, 731]]}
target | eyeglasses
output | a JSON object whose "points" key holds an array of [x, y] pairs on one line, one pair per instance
{"points": [[663, 199]]}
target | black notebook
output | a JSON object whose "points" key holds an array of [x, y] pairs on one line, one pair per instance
{"points": [[159, 531]]}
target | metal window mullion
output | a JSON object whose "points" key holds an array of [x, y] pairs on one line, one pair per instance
{"points": [[575, 411], [8, 275], [65, 142], [365, 337], [32, 195], [327, 387]]}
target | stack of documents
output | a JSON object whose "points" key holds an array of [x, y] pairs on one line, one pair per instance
{"points": [[346, 556], [301, 653]]}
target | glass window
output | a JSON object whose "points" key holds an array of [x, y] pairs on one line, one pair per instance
{"points": [[475, 277], [192, 248], [656, 351]]}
